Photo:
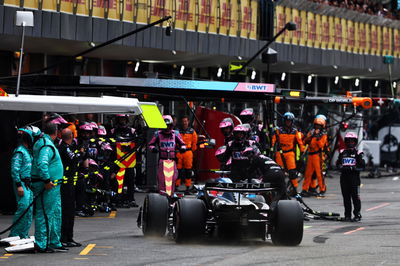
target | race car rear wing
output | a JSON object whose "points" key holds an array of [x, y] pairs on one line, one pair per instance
{"points": [[239, 187], [79, 105]]}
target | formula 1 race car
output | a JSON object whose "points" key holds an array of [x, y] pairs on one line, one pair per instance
{"points": [[229, 209]]}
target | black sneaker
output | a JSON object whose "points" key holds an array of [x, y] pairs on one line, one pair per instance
{"points": [[347, 219], [71, 244], [321, 194], [357, 218], [43, 250], [304, 194], [313, 192], [60, 249]]}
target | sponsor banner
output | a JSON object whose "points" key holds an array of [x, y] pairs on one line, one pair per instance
{"points": [[367, 49], [379, 34], [288, 34], [332, 33], [325, 32], [142, 12], [160, 9], [128, 11], [396, 42], [280, 22], [297, 33], [33, 4], [338, 34], [344, 34], [356, 37], [49, 5], [204, 15], [255, 87], [12, 3], [234, 18], [254, 17], [318, 23], [350, 36], [225, 14], [190, 18], [311, 29], [303, 36], [245, 28], [114, 9], [82, 7], [213, 27], [373, 40], [386, 41], [361, 38], [67, 6]]}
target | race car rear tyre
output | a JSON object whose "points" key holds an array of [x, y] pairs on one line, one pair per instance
{"points": [[189, 220], [155, 215], [288, 223]]}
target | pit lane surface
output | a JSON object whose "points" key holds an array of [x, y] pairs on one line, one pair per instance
{"points": [[115, 240]]}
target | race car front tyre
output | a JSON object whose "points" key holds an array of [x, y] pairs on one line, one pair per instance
{"points": [[288, 223], [155, 215], [189, 220]]}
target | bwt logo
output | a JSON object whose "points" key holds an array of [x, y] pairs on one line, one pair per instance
{"points": [[349, 161], [167, 144], [257, 87]]}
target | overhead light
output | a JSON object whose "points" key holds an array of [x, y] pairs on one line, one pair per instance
{"points": [[336, 80], [253, 75], [376, 83], [137, 66], [173, 52], [239, 57], [335, 66], [369, 69], [283, 76], [92, 44], [182, 70], [219, 73], [394, 84], [357, 82], [309, 79], [292, 63]]}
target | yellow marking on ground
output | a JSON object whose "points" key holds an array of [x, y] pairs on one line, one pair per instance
{"points": [[8, 255], [98, 254], [361, 185], [104, 247], [81, 258], [4, 257], [110, 216], [87, 249], [307, 226], [353, 231]]}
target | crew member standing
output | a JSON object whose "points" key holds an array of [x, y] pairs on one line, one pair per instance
{"points": [[71, 158], [316, 139], [46, 169], [350, 162], [21, 165], [284, 140], [185, 158], [166, 142], [126, 138]]}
